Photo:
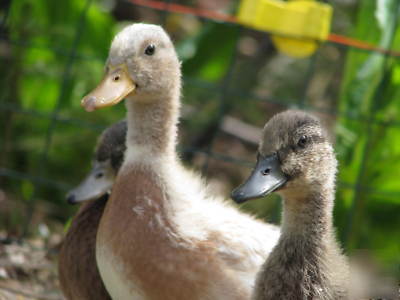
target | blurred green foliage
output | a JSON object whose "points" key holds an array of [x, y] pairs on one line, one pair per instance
{"points": [[52, 52], [369, 151]]}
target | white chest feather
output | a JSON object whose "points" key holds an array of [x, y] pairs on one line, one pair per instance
{"points": [[111, 271]]}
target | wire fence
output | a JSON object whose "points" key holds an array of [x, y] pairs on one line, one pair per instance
{"points": [[225, 89]]}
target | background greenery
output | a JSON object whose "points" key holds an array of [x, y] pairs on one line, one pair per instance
{"points": [[52, 53]]}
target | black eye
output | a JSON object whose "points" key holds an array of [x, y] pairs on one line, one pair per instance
{"points": [[150, 49], [302, 141], [99, 175], [116, 78]]}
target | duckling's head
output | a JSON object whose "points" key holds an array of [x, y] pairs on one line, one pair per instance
{"points": [[295, 156], [107, 160], [142, 65]]}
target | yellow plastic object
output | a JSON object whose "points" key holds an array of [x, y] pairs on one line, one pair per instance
{"points": [[297, 26]]}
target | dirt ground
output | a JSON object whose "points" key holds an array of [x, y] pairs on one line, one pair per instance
{"points": [[28, 268]]}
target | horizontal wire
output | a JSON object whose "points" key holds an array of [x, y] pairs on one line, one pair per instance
{"points": [[56, 49], [290, 103], [336, 114], [187, 10], [59, 51], [222, 17], [354, 43], [218, 156], [52, 116], [5, 172]]}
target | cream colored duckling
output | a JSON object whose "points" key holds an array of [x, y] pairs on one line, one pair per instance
{"points": [[162, 236], [297, 161], [78, 272]]}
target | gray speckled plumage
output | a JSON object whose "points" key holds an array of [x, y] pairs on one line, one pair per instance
{"points": [[307, 262], [112, 144]]}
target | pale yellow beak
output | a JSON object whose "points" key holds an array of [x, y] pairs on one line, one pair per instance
{"points": [[114, 87]]}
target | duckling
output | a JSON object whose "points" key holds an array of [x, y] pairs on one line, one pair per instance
{"points": [[297, 161], [163, 235], [107, 160], [79, 276]]}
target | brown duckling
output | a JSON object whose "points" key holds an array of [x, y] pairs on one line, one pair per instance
{"points": [[297, 161], [79, 276]]}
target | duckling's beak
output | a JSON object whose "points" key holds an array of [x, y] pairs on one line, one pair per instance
{"points": [[266, 177], [96, 184], [114, 87]]}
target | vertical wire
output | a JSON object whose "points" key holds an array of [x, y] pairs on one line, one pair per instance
{"points": [[7, 5], [223, 107], [358, 188], [357, 199], [165, 13], [6, 125], [65, 80], [307, 81], [53, 121]]}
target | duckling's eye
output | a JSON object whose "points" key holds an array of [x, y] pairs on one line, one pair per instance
{"points": [[150, 49], [302, 141], [99, 175], [116, 77]]}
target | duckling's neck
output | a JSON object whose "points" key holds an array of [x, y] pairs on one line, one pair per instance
{"points": [[308, 214], [298, 266], [152, 126]]}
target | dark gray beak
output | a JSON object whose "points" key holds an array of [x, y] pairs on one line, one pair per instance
{"points": [[266, 177]]}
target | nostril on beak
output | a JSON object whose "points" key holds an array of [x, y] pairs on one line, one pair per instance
{"points": [[266, 171], [89, 103], [71, 199]]}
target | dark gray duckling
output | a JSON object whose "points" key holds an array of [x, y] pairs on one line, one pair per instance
{"points": [[79, 275], [297, 161], [108, 157]]}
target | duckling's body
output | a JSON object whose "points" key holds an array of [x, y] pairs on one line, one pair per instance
{"points": [[296, 160], [162, 236], [78, 272], [167, 260]]}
